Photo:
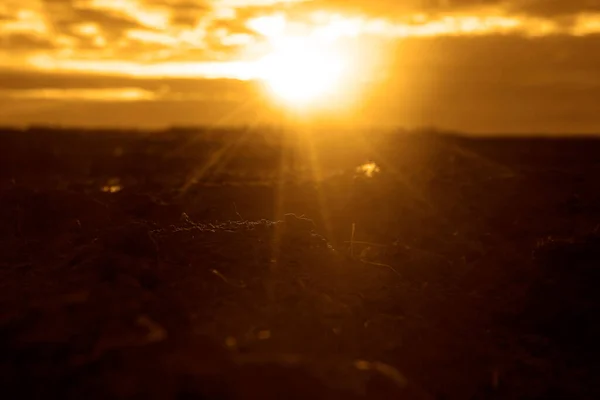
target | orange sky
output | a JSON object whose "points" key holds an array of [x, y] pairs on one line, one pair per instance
{"points": [[474, 65]]}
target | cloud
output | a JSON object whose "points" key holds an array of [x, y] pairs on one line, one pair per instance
{"points": [[397, 8], [184, 12], [110, 34], [26, 42], [446, 63], [555, 8], [503, 60], [64, 15], [150, 29], [120, 94], [406, 7]]}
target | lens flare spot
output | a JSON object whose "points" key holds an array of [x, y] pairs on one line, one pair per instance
{"points": [[112, 186], [368, 169]]}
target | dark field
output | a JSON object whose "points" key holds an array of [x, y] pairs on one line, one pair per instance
{"points": [[163, 266]]}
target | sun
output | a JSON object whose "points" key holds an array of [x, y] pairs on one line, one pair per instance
{"points": [[302, 72]]}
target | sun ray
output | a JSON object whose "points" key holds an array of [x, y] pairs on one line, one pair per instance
{"points": [[316, 170], [219, 156], [279, 195]]}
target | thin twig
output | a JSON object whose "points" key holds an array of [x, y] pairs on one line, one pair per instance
{"points": [[352, 239], [236, 212], [367, 243], [381, 265], [155, 243], [227, 281]]}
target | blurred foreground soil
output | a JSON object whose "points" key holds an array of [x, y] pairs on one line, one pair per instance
{"points": [[168, 265]]}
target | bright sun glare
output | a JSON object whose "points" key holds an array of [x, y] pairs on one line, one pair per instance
{"points": [[300, 72]]}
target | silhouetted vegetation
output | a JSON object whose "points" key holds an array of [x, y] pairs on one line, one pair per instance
{"points": [[168, 265]]}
